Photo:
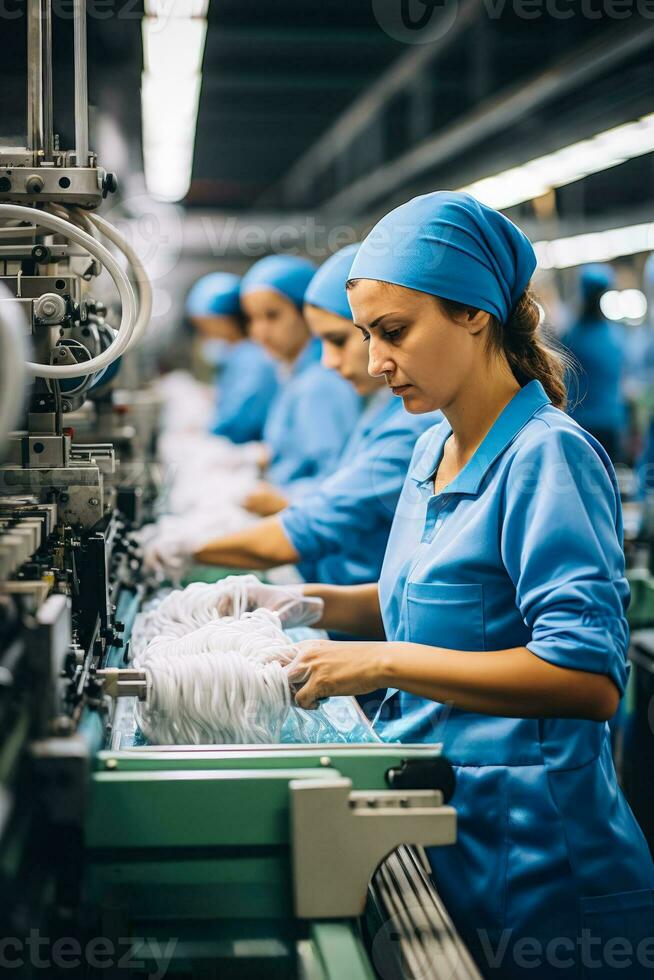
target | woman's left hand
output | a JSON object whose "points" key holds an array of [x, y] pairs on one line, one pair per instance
{"points": [[323, 668]]}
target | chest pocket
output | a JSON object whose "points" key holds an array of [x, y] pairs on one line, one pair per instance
{"points": [[446, 615]]}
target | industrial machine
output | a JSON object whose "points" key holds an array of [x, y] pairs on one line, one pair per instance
{"points": [[236, 861]]}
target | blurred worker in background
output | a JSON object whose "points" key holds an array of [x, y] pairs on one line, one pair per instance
{"points": [[246, 376], [314, 411], [640, 348], [595, 396], [338, 532]]}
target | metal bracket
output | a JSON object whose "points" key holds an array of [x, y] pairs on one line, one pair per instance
{"points": [[340, 837]]}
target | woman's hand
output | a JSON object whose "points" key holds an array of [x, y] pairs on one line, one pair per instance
{"points": [[265, 500], [288, 601], [323, 668]]}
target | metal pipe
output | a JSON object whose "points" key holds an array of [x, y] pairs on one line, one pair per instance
{"points": [[34, 77], [81, 86], [46, 69]]}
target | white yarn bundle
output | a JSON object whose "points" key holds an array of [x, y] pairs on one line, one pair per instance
{"points": [[184, 610], [211, 679], [207, 478], [187, 404], [222, 683]]}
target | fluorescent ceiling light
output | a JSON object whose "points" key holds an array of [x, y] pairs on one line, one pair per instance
{"points": [[173, 48], [170, 109], [165, 100], [564, 166], [176, 8], [601, 246], [174, 35]]}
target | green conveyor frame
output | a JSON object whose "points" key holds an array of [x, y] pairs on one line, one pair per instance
{"points": [[193, 845]]}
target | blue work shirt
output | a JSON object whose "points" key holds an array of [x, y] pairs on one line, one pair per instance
{"points": [[340, 530], [645, 465], [247, 384], [595, 388], [309, 421], [522, 549], [639, 360]]}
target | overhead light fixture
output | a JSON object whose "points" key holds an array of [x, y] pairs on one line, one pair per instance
{"points": [[598, 246], [174, 35], [624, 304], [564, 166], [173, 47], [163, 9]]}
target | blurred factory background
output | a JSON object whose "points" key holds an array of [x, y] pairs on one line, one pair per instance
{"points": [[295, 125]]}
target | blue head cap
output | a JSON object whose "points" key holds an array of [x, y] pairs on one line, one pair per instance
{"points": [[327, 288], [448, 244], [286, 274], [216, 294], [595, 278]]}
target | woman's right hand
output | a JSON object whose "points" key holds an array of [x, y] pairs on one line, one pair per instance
{"points": [[288, 601]]}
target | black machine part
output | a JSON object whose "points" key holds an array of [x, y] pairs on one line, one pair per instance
{"points": [[436, 773], [408, 931]]}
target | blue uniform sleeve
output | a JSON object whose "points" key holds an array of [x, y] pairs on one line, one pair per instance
{"points": [[561, 545], [355, 500], [323, 415], [247, 388]]}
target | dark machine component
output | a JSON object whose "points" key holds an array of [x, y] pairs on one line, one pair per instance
{"points": [[638, 760], [409, 933], [436, 773]]}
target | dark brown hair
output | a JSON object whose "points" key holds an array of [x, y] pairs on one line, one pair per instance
{"points": [[531, 355]]}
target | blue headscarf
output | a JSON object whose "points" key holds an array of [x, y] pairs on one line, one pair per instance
{"points": [[286, 274], [327, 288], [596, 278], [216, 294], [448, 244]]}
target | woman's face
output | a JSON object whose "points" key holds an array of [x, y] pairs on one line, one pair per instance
{"points": [[218, 327], [424, 355], [342, 349], [275, 322]]}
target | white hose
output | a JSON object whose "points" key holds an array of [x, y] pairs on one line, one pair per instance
{"points": [[138, 274], [98, 251], [13, 353], [20, 231], [94, 224]]}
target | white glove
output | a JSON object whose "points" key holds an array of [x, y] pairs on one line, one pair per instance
{"points": [[288, 601], [167, 559]]}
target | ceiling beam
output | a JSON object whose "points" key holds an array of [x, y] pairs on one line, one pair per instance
{"points": [[339, 136], [493, 115]]}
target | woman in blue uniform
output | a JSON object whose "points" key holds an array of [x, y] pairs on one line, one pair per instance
{"points": [[246, 376], [337, 532], [502, 601], [315, 411], [596, 398]]}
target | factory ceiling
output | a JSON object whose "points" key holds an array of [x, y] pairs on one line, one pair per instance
{"points": [[323, 105]]}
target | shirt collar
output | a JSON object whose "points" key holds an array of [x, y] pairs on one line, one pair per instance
{"points": [[522, 407]]}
